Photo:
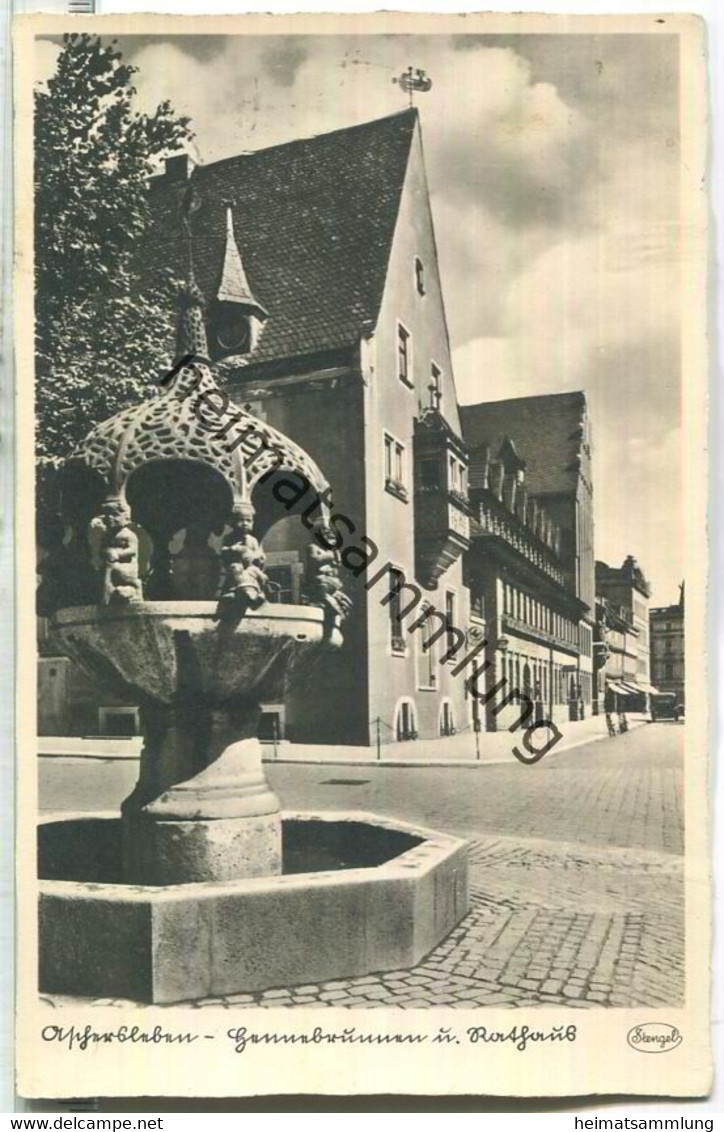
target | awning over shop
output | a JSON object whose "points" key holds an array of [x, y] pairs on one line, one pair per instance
{"points": [[619, 689], [648, 688], [634, 689]]}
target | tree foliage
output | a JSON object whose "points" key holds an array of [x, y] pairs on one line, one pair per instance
{"points": [[101, 326]]}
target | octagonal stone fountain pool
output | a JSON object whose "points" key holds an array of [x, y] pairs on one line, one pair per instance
{"points": [[357, 893]]}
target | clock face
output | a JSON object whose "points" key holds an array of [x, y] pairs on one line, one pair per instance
{"points": [[232, 332]]}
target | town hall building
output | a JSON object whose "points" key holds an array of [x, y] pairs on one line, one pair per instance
{"points": [[318, 267]]}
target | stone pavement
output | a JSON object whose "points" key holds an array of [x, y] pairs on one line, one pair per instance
{"points": [[548, 924], [576, 876], [623, 792]]}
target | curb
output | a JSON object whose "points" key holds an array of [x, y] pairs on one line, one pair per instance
{"points": [[471, 764]]}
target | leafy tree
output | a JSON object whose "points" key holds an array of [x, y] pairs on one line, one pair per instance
{"points": [[100, 324]]}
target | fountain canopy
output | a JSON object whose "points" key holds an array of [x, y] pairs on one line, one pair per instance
{"points": [[186, 459]]}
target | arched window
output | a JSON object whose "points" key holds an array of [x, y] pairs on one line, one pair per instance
{"points": [[446, 719], [405, 720]]}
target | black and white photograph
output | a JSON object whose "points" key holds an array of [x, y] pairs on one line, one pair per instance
{"points": [[362, 413]]}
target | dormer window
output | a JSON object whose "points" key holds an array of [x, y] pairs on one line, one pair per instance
{"points": [[419, 275]]}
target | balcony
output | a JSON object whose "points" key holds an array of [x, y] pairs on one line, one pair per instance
{"points": [[494, 521], [516, 627], [442, 514]]}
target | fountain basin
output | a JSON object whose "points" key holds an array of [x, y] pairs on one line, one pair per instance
{"points": [[358, 893], [201, 809], [163, 651]]}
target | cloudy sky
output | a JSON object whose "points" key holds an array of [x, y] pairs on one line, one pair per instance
{"points": [[553, 169]]}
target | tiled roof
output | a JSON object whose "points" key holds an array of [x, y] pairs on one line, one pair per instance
{"points": [[546, 431], [314, 221]]}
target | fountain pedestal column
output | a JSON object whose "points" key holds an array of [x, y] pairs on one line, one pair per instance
{"points": [[202, 809]]}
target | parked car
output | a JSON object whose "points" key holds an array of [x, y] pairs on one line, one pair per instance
{"points": [[664, 706]]}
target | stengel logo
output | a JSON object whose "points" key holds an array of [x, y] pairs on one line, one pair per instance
{"points": [[654, 1037]]}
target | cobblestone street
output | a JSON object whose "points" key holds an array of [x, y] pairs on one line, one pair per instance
{"points": [[576, 872]]}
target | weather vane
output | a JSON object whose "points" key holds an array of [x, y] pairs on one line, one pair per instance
{"points": [[414, 78]]}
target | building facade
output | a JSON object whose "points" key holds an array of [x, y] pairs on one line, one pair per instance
{"points": [[318, 267], [519, 591], [532, 554], [668, 649], [625, 593], [617, 652]]}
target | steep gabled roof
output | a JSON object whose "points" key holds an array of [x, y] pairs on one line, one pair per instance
{"points": [[314, 222], [546, 431]]}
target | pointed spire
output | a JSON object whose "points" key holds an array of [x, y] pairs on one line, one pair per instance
{"points": [[234, 286]]}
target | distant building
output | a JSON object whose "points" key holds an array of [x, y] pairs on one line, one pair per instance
{"points": [[617, 652], [667, 648], [625, 593], [531, 566]]}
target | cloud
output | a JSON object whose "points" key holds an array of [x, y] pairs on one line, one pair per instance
{"points": [[641, 509], [601, 314], [283, 58]]}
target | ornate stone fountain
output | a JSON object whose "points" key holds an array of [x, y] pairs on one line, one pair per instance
{"points": [[201, 887]]}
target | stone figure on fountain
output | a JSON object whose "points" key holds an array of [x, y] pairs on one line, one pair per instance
{"points": [[245, 584], [119, 554], [323, 583]]}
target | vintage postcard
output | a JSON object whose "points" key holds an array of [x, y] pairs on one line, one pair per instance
{"points": [[362, 715]]}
